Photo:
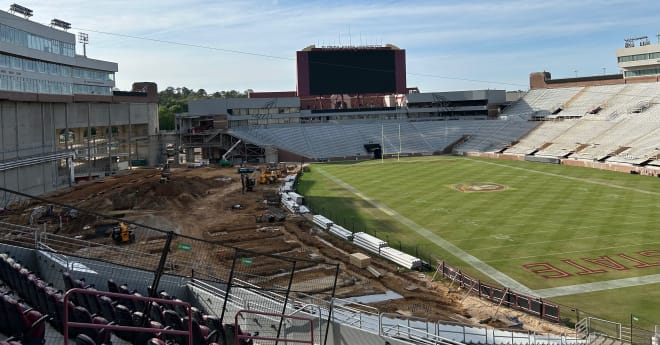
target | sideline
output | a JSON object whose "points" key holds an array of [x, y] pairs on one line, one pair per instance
{"points": [[597, 286], [488, 270]]}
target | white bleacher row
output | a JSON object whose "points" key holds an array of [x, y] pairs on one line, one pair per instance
{"points": [[291, 205], [322, 222], [539, 102], [402, 259], [552, 99], [628, 123], [495, 139], [590, 98], [289, 181], [341, 232], [535, 139], [642, 149], [348, 139], [630, 128], [582, 131], [368, 242], [290, 200]]}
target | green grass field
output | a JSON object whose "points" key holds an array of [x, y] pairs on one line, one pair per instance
{"points": [[551, 226]]}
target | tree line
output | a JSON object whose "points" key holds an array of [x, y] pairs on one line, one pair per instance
{"points": [[174, 100]]}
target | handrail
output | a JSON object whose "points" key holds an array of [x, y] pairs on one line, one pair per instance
{"points": [[434, 338], [302, 309], [68, 324], [374, 311], [256, 337]]}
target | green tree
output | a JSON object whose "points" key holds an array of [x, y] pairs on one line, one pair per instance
{"points": [[165, 118], [174, 100]]}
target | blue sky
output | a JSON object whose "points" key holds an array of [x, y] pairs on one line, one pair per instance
{"points": [[450, 45]]}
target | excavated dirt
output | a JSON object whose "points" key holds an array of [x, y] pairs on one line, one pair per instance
{"points": [[208, 203]]}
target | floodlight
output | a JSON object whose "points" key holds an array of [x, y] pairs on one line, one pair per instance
{"points": [[84, 39], [15, 8], [60, 24]]}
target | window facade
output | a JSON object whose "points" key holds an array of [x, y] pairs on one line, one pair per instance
{"points": [[84, 73], [92, 89], [11, 81], [263, 111], [23, 84], [22, 38], [641, 72], [639, 57]]}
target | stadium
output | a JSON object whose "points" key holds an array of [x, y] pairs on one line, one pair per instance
{"points": [[391, 216]]}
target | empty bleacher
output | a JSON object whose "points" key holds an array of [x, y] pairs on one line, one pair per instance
{"points": [[347, 140], [545, 131], [589, 99], [582, 132], [625, 127]]}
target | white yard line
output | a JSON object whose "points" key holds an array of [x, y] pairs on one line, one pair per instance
{"points": [[496, 275], [597, 286]]}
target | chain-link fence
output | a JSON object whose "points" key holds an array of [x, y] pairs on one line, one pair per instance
{"points": [[80, 248]]}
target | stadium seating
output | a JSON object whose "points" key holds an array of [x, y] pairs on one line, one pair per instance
{"points": [[589, 99], [626, 127], [347, 140]]}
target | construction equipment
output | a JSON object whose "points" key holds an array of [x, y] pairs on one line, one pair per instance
{"points": [[247, 182], [268, 177], [122, 234], [170, 152], [271, 172], [223, 161], [165, 173]]}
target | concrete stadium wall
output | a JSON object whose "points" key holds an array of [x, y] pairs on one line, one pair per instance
{"points": [[505, 156], [340, 334], [623, 168], [32, 129]]}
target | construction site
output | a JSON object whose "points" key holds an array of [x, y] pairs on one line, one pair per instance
{"points": [[238, 208]]}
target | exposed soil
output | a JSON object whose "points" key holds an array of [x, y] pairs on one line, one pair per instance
{"points": [[208, 203]]}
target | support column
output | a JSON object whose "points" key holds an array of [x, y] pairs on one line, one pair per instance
{"points": [[89, 142]]}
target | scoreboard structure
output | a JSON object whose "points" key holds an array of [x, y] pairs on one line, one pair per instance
{"points": [[351, 70]]}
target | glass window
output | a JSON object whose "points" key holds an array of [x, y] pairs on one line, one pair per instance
{"points": [[22, 38]]}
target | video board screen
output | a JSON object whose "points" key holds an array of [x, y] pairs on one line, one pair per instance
{"points": [[351, 71]]}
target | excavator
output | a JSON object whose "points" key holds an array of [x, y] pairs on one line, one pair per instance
{"points": [[247, 182], [122, 234]]}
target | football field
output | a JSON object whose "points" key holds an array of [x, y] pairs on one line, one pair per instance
{"points": [[581, 237]]}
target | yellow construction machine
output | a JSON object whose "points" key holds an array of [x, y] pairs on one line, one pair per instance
{"points": [[122, 234], [270, 173]]}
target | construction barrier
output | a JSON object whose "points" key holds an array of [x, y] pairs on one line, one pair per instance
{"points": [[501, 295]]}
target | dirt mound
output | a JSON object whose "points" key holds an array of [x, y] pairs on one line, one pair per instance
{"points": [[179, 192]]}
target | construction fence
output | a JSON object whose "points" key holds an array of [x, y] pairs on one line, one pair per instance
{"points": [[500, 295], [152, 253]]}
